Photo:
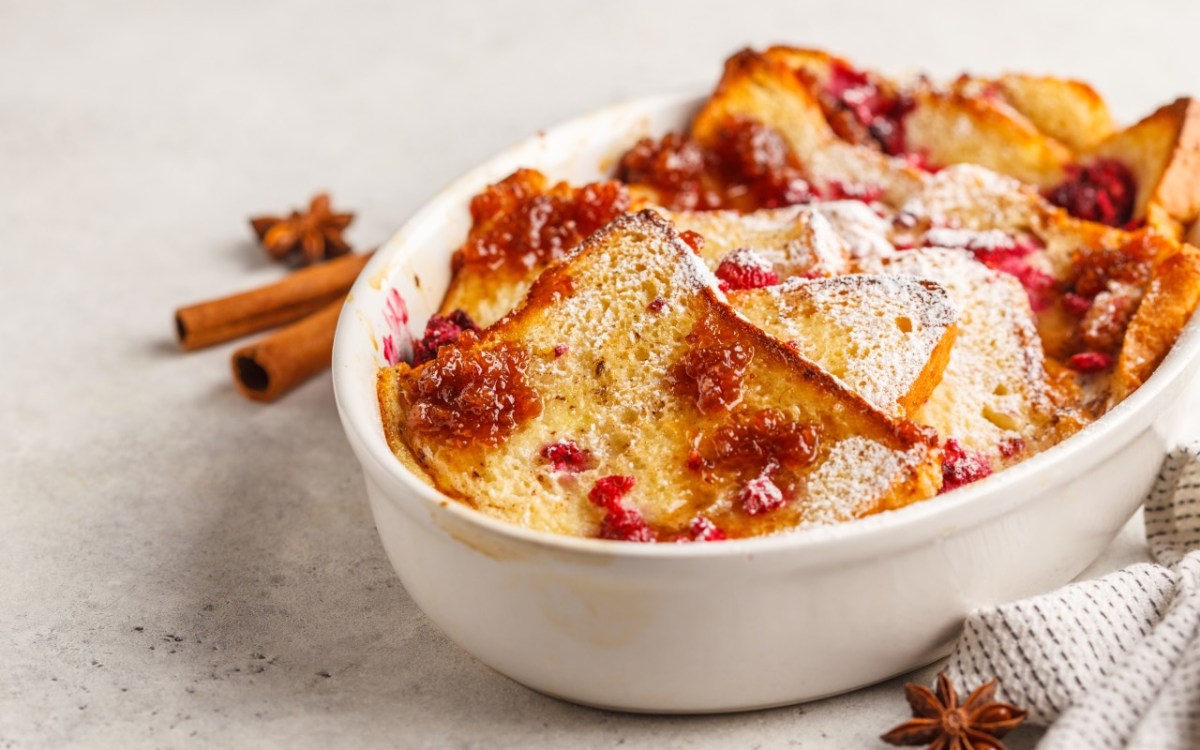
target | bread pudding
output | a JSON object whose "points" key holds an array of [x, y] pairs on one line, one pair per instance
{"points": [[835, 294]]}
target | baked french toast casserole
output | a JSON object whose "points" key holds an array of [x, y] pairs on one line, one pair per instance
{"points": [[833, 294]]}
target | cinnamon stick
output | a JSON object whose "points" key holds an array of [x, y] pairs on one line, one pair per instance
{"points": [[300, 294], [272, 366]]}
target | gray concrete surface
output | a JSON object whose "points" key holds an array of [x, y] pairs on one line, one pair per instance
{"points": [[180, 567]]}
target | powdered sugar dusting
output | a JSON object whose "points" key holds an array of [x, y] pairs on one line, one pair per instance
{"points": [[994, 386], [874, 333], [991, 239], [855, 225], [747, 258], [841, 489], [973, 197]]}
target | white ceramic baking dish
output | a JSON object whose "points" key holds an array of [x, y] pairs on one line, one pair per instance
{"points": [[732, 625]]}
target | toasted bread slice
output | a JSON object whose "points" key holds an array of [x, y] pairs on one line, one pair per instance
{"points": [[860, 105], [1168, 303], [1034, 128], [520, 226], [796, 240], [975, 199], [948, 127], [818, 239], [759, 88], [1071, 112], [967, 122], [1163, 153], [625, 359], [994, 391], [888, 338]]}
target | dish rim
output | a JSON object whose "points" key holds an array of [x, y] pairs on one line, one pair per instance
{"points": [[955, 510]]}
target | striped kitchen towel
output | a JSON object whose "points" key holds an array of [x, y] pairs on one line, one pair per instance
{"points": [[1112, 662]]}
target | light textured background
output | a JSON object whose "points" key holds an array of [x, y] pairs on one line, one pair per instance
{"points": [[180, 567]]}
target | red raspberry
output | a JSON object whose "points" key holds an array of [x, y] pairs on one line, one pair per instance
{"points": [[960, 466], [1038, 284], [608, 491], [441, 330], [566, 456], [1103, 191], [625, 525], [702, 529], [881, 113], [1001, 252], [1012, 446], [621, 523], [761, 495], [1091, 361], [745, 269]]}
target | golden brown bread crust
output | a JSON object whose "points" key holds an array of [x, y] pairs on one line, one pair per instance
{"points": [[1029, 127], [931, 374], [756, 87], [887, 338], [1071, 112], [985, 133], [1170, 299], [1163, 152]]}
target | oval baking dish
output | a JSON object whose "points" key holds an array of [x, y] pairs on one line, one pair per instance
{"points": [[733, 625]]}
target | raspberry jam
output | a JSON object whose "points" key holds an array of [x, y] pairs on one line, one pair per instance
{"points": [[621, 522], [520, 223], [748, 166], [1102, 327], [753, 441], [441, 331], [745, 269], [1103, 191], [960, 466], [758, 160], [757, 456], [677, 167], [1092, 271], [710, 372], [473, 395], [1104, 292]]}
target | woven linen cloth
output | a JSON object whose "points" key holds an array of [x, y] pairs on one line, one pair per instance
{"points": [[1112, 662]]}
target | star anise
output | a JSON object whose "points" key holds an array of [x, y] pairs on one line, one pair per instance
{"points": [[938, 720], [307, 237]]}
